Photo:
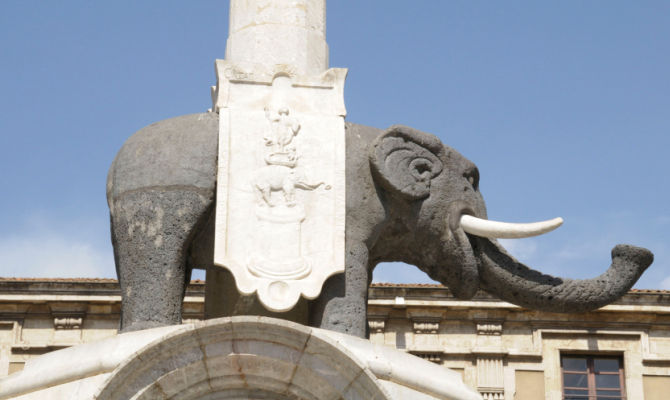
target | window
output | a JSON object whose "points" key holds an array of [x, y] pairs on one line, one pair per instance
{"points": [[588, 377]]}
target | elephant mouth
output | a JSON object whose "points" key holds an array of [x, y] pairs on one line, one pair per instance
{"points": [[466, 231], [485, 264], [463, 222]]}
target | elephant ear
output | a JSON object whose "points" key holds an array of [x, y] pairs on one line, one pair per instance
{"points": [[406, 160]]}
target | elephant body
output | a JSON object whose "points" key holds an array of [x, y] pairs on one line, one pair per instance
{"points": [[273, 178], [405, 193]]}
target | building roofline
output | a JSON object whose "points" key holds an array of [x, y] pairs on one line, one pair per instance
{"points": [[198, 282]]}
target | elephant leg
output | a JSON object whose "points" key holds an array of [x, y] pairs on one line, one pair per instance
{"points": [[289, 192], [151, 232], [342, 305], [263, 193], [266, 194]]}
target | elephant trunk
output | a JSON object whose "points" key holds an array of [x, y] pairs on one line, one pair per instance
{"points": [[502, 275], [310, 186]]}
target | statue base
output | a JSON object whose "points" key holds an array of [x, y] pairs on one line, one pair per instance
{"points": [[240, 357]]}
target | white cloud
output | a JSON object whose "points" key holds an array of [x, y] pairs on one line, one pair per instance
{"points": [[665, 283], [53, 257], [50, 249]]}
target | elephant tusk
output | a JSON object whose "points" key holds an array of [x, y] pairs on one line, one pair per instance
{"points": [[506, 230]]}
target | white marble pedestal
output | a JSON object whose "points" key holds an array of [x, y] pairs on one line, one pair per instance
{"points": [[233, 358]]}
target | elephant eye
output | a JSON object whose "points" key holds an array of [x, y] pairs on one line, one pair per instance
{"points": [[472, 175]]}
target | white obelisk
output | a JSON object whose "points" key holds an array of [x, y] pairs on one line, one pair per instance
{"points": [[280, 187]]}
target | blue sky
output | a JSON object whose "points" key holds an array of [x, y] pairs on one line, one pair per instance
{"points": [[564, 107]]}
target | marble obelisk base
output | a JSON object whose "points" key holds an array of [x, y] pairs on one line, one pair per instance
{"points": [[239, 357]]}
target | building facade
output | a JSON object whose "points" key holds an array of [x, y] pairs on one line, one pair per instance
{"points": [[503, 351]]}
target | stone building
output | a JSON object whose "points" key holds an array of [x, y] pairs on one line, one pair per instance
{"points": [[504, 351]]}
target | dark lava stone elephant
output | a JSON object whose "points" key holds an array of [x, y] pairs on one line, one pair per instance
{"points": [[406, 194]]}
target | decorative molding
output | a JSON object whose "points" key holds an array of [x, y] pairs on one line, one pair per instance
{"points": [[71, 322], [492, 394], [492, 328], [377, 324], [68, 316], [434, 357], [423, 325], [490, 378]]}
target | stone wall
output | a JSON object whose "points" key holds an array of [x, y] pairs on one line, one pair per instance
{"points": [[509, 352], [41, 315], [504, 351]]}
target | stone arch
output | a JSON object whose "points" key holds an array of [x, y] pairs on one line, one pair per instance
{"points": [[243, 358]]}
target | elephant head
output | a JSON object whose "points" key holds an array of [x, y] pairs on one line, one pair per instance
{"points": [[432, 192]]}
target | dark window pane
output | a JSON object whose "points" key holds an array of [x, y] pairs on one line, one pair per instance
{"points": [[606, 365], [575, 380], [610, 392], [574, 364], [580, 373], [607, 381]]}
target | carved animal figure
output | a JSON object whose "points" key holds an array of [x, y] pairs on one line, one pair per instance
{"points": [[273, 178], [406, 194]]}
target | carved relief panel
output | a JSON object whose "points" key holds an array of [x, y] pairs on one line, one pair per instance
{"points": [[280, 196]]}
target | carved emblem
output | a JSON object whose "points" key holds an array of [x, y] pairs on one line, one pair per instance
{"points": [[280, 208], [279, 214]]}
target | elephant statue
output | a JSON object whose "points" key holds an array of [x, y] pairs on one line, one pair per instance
{"points": [[407, 197]]}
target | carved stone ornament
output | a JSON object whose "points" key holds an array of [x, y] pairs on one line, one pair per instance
{"points": [[490, 378], [489, 328], [281, 186], [426, 325], [68, 322], [377, 324], [433, 357]]}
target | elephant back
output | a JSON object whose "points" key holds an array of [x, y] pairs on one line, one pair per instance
{"points": [[180, 151]]}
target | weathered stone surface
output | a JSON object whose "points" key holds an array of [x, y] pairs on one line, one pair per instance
{"points": [[279, 32], [159, 189], [175, 152], [269, 366], [634, 327], [406, 193], [382, 224]]}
